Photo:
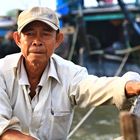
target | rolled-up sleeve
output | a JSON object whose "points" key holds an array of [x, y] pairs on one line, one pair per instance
{"points": [[129, 76]]}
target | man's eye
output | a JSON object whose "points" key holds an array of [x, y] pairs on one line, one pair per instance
{"points": [[29, 33], [47, 33]]}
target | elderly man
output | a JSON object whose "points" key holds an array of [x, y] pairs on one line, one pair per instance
{"points": [[39, 89]]}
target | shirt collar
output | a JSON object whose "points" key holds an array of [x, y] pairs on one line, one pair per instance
{"points": [[23, 80], [50, 71], [53, 70]]}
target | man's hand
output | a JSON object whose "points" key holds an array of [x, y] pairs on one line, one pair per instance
{"points": [[132, 88], [15, 135]]}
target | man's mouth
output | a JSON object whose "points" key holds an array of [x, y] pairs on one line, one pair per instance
{"points": [[37, 50]]}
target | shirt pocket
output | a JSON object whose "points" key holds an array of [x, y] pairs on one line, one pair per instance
{"points": [[60, 124], [61, 115]]}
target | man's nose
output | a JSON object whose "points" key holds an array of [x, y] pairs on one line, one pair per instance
{"points": [[37, 41]]}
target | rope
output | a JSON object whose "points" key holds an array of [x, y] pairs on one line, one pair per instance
{"points": [[122, 64], [117, 52], [73, 44]]}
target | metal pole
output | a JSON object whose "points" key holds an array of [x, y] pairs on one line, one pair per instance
{"points": [[81, 122]]}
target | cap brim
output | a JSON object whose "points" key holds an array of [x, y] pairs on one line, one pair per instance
{"points": [[37, 19]]}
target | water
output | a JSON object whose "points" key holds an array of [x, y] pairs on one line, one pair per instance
{"points": [[102, 124]]}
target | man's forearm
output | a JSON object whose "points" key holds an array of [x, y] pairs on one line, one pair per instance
{"points": [[132, 88], [15, 135]]}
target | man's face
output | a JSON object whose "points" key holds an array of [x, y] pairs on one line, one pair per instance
{"points": [[37, 42]]}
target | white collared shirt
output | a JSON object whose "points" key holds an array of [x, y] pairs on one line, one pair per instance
{"points": [[64, 86]]}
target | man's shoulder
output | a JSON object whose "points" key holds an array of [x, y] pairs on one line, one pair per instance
{"points": [[65, 64], [67, 70], [66, 67], [10, 61]]}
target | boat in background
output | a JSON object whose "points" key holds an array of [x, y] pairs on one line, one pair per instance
{"points": [[6, 24]]}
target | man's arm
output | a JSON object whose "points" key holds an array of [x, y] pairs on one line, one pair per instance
{"points": [[15, 135]]}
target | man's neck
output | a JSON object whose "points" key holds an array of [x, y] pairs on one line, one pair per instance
{"points": [[34, 74]]}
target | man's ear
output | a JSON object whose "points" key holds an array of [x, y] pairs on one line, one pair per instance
{"points": [[59, 39], [16, 37]]}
